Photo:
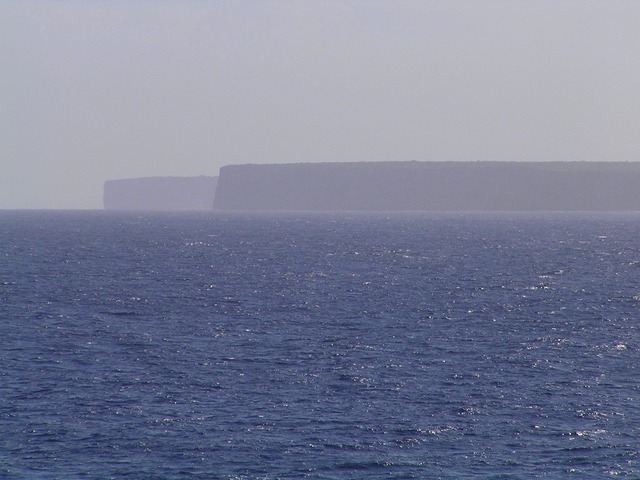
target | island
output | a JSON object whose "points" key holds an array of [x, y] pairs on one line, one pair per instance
{"points": [[430, 186]]}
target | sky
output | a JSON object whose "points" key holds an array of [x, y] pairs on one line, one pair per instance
{"points": [[105, 89]]}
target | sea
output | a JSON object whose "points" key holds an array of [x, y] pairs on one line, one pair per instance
{"points": [[319, 346]]}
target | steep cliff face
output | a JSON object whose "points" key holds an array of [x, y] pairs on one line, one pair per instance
{"points": [[431, 186], [160, 193]]}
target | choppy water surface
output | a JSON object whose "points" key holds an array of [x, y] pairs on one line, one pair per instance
{"points": [[138, 346]]}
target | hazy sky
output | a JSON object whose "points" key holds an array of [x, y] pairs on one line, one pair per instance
{"points": [[103, 89]]}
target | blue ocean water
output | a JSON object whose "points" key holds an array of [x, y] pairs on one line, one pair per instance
{"points": [[213, 346]]}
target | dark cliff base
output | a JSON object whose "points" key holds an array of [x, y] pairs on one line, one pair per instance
{"points": [[160, 193], [431, 186]]}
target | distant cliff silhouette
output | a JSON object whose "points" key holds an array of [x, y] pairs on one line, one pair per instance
{"points": [[160, 193], [431, 186]]}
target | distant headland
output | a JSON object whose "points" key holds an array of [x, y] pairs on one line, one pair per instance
{"points": [[390, 186], [160, 193]]}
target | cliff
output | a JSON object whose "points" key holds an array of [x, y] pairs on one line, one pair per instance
{"points": [[431, 186], [160, 193]]}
